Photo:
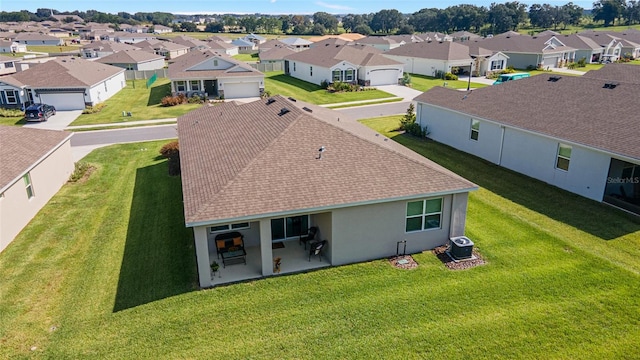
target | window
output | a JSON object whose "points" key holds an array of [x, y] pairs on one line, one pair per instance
{"points": [[497, 64], [423, 215], [8, 64], [564, 156], [475, 129], [337, 74], [11, 96], [350, 75], [129, 66], [294, 66], [28, 186], [195, 85], [310, 70], [225, 227], [181, 86], [215, 62], [291, 227]]}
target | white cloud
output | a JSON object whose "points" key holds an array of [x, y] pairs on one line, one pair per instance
{"points": [[333, 6], [272, 1]]}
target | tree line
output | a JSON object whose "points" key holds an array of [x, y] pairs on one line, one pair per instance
{"points": [[497, 18]]}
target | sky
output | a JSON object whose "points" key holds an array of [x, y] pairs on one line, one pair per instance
{"points": [[252, 6]]}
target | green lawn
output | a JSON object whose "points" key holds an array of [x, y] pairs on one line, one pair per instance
{"points": [[143, 103], [424, 83], [53, 48], [247, 57], [277, 83], [114, 277]]}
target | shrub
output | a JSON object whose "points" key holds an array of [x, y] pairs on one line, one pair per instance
{"points": [[171, 151], [582, 62], [93, 109], [406, 79], [80, 169], [324, 84], [174, 100], [340, 86], [409, 118], [571, 66], [416, 130], [450, 76], [10, 112], [195, 99], [266, 94]]}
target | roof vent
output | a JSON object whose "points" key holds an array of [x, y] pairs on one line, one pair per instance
{"points": [[283, 111], [610, 85], [292, 99], [307, 109], [554, 78], [271, 101]]}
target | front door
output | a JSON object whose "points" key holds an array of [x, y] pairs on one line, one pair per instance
{"points": [[210, 88], [289, 228]]}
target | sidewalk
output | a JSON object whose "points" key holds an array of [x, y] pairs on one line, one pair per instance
{"points": [[124, 123]]}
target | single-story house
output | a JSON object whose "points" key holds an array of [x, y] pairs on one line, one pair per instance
{"points": [[270, 44], [98, 49], [432, 58], [68, 83], [464, 36], [383, 43], [348, 37], [34, 167], [486, 61], [527, 51], [616, 44], [7, 65], [585, 47], [131, 38], [35, 39], [275, 55], [256, 39], [161, 29], [363, 65], [212, 74], [134, 60], [270, 169], [169, 50], [192, 43], [577, 133], [223, 47], [296, 43], [8, 46], [245, 46]]}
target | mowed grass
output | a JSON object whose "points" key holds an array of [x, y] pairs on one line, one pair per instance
{"points": [[247, 57], [143, 103], [277, 83], [424, 83], [114, 276], [53, 48]]}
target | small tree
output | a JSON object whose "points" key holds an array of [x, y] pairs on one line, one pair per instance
{"points": [[171, 151], [408, 118], [406, 79]]}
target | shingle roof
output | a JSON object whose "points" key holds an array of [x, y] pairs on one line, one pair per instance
{"points": [[440, 50], [576, 109], [578, 42], [32, 36], [190, 42], [295, 41], [66, 72], [22, 147], [519, 44], [179, 69], [246, 160], [277, 53], [330, 55], [613, 73], [215, 45], [377, 40], [129, 57], [112, 46]]}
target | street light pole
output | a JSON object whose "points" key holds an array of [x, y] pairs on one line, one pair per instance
{"points": [[470, 71]]}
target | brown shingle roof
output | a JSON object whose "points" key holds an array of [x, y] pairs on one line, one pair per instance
{"points": [[245, 160], [22, 148], [277, 53], [575, 109], [615, 73], [112, 46], [440, 50], [67, 72], [519, 44], [179, 69], [129, 57], [330, 55]]}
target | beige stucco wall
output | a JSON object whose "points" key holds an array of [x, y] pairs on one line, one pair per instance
{"points": [[47, 177]]}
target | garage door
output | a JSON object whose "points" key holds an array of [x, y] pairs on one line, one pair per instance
{"points": [[550, 62], [241, 90], [64, 101], [384, 77]]}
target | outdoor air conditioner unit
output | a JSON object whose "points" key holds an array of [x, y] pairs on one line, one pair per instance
{"points": [[461, 247]]}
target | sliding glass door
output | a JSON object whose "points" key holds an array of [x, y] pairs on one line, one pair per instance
{"points": [[289, 228]]}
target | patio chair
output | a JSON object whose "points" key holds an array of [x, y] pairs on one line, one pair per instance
{"points": [[309, 236], [316, 247]]}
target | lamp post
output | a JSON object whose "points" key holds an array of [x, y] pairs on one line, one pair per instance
{"points": [[470, 71]]}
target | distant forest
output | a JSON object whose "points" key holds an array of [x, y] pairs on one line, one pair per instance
{"points": [[497, 18]]}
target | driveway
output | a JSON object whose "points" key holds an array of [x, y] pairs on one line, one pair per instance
{"points": [[404, 92], [59, 121], [477, 79]]}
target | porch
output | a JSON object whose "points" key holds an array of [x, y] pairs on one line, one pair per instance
{"points": [[294, 259]]}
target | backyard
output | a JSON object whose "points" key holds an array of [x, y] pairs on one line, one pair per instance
{"points": [[424, 83], [114, 277], [143, 103]]}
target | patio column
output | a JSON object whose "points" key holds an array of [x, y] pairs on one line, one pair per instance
{"points": [[265, 247], [202, 256]]}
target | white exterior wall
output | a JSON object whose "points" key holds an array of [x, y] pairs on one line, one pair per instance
{"points": [[98, 93], [151, 65], [244, 79], [369, 73], [47, 177], [372, 231], [413, 65], [302, 72]]}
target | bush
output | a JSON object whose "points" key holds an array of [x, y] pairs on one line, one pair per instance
{"points": [[266, 94], [195, 99], [174, 100], [171, 151], [80, 169], [450, 76], [93, 109], [406, 79], [582, 62], [409, 118], [11, 112], [416, 130], [324, 84], [571, 66], [340, 86]]}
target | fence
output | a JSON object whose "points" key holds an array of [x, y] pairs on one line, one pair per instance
{"points": [[145, 74], [264, 67]]}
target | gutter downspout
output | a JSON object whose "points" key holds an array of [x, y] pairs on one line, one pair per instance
{"points": [[502, 128]]}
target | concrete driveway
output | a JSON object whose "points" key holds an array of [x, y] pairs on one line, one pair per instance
{"points": [[477, 80], [59, 121], [404, 92]]}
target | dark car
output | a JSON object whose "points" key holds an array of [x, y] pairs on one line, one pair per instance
{"points": [[39, 112]]}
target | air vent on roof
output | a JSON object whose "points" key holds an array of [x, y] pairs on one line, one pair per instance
{"points": [[292, 99], [271, 101], [283, 111], [554, 78], [610, 85], [307, 109]]}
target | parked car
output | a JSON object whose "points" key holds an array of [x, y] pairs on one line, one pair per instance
{"points": [[509, 77], [39, 112]]}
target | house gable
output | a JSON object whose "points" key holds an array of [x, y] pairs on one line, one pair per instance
{"points": [[214, 63]]}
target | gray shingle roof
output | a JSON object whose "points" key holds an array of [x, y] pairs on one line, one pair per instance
{"points": [[22, 147], [129, 57], [519, 44], [245, 160], [112, 46], [440, 50], [277, 53], [615, 73], [576, 109], [66, 72], [330, 55], [179, 69]]}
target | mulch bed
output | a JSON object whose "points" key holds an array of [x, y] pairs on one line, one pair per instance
{"points": [[405, 262], [441, 253]]}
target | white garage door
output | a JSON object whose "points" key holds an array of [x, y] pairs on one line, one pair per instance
{"points": [[550, 62], [384, 77], [65, 101], [241, 90]]}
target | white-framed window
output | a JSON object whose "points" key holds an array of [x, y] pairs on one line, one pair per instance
{"points": [[424, 215], [294, 66], [337, 75], [28, 186], [349, 75], [497, 64], [227, 227], [195, 85], [11, 96], [475, 129], [8, 64], [564, 157], [310, 70], [181, 86], [215, 62]]}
